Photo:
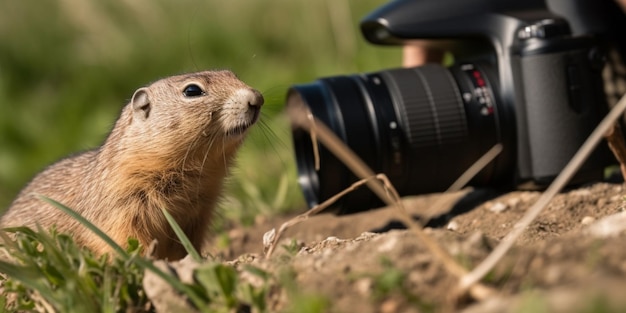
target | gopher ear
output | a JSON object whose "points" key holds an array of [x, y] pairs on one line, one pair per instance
{"points": [[141, 104]]}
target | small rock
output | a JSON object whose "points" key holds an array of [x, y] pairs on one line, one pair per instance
{"points": [[608, 226], [389, 306], [366, 236], [453, 226], [333, 239], [364, 286], [164, 296], [513, 202], [587, 220], [498, 207], [388, 244]]}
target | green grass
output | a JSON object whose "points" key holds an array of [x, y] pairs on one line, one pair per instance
{"points": [[48, 272], [67, 68]]}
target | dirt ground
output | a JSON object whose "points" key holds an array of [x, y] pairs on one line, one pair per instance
{"points": [[568, 260]]}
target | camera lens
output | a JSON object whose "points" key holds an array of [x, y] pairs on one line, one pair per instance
{"points": [[421, 126]]}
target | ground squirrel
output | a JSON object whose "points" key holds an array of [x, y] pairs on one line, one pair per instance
{"points": [[171, 148]]}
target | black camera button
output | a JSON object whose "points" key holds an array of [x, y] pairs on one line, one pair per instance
{"points": [[544, 29]]}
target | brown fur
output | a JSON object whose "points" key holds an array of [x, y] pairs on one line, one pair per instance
{"points": [[165, 151]]}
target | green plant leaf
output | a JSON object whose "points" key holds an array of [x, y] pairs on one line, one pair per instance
{"points": [[219, 279], [182, 236], [257, 272]]}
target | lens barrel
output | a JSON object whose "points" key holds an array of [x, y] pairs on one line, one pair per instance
{"points": [[421, 126]]}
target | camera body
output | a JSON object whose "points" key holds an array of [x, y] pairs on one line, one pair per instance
{"points": [[522, 77], [550, 77]]}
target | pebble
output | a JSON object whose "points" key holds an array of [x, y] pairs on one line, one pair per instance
{"points": [[453, 226], [389, 306], [498, 207], [388, 244], [608, 226], [587, 220], [364, 286], [513, 202]]}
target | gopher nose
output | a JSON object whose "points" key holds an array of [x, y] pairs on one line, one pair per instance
{"points": [[255, 98]]}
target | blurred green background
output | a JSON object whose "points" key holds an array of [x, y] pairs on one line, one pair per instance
{"points": [[67, 67]]}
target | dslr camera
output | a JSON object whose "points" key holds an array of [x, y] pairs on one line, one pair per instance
{"points": [[526, 74]]}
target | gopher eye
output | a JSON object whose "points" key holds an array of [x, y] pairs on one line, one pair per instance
{"points": [[193, 90]]}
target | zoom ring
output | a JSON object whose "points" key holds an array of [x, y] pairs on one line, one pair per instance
{"points": [[430, 105]]}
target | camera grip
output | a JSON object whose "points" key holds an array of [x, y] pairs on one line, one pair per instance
{"points": [[559, 103]]}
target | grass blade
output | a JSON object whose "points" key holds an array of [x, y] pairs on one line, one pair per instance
{"points": [[182, 237]]}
